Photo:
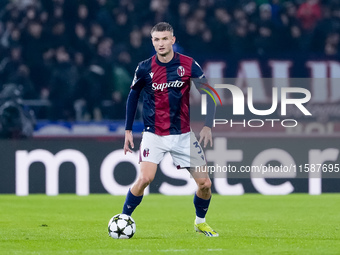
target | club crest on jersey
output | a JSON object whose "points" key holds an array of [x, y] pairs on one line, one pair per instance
{"points": [[180, 71], [146, 153]]}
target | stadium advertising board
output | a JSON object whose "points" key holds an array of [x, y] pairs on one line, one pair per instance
{"points": [[268, 166]]}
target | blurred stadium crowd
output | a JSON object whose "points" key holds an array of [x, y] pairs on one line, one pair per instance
{"points": [[78, 56]]}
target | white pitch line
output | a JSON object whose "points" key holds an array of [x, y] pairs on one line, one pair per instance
{"points": [[177, 250], [185, 250]]}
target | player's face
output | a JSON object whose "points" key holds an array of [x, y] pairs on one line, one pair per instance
{"points": [[163, 41]]}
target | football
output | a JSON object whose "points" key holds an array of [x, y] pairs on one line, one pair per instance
{"points": [[121, 226]]}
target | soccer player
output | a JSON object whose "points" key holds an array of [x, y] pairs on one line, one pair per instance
{"points": [[165, 78]]}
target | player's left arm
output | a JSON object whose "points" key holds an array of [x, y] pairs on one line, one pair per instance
{"points": [[205, 134]]}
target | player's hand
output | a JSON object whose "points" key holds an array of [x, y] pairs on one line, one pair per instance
{"points": [[206, 136], [128, 141]]}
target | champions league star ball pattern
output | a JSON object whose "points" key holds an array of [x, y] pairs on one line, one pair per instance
{"points": [[121, 226]]}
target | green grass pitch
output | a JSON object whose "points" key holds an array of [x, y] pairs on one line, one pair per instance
{"points": [[248, 224]]}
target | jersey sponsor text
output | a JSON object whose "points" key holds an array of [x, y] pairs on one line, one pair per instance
{"points": [[162, 86]]}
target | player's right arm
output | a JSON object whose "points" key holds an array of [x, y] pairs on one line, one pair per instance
{"points": [[128, 143], [131, 107]]}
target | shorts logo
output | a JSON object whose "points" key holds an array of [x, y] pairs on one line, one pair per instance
{"points": [[146, 152], [181, 71]]}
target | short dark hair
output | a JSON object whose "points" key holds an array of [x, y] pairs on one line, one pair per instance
{"points": [[162, 26]]}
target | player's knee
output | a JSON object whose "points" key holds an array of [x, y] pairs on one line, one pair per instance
{"points": [[145, 180], [204, 184]]}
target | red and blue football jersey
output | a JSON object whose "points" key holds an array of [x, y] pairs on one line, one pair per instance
{"points": [[166, 93]]}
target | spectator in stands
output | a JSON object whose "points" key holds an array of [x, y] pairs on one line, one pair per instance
{"points": [[332, 44], [265, 16], [58, 12], [83, 15], [14, 38], [103, 16], [62, 86], [58, 36], [183, 13], [9, 27], [265, 40], [309, 13], [80, 43], [22, 79], [220, 29], [96, 34], [120, 32], [294, 41], [139, 49], [276, 9], [9, 66], [159, 10], [193, 41], [94, 85], [239, 40], [34, 45]]}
